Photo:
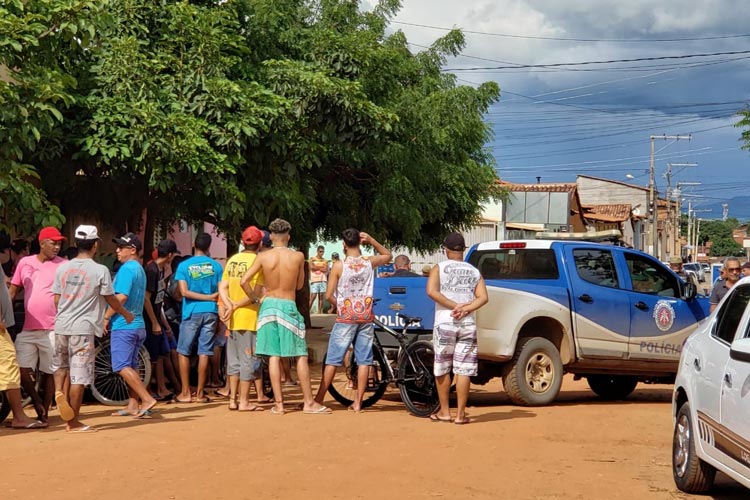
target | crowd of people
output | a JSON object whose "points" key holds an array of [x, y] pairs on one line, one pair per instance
{"points": [[249, 306]]}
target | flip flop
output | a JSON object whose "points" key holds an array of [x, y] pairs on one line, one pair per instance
{"points": [[36, 424], [122, 413], [143, 414], [323, 410], [274, 411], [252, 408], [167, 397], [434, 418], [220, 395], [66, 411], [465, 421], [84, 429], [203, 400]]}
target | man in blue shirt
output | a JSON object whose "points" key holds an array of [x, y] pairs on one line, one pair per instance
{"points": [[127, 339], [198, 281]]}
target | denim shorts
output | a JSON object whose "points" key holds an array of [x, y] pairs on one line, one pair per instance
{"points": [[125, 346], [342, 336], [200, 328]]}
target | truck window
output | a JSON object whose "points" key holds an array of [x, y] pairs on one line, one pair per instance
{"points": [[730, 315], [649, 276], [516, 263], [596, 266]]}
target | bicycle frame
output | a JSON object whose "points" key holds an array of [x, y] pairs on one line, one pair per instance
{"points": [[403, 343]]}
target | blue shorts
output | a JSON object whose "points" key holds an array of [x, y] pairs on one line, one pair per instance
{"points": [[318, 287], [125, 345], [200, 328], [342, 336]]}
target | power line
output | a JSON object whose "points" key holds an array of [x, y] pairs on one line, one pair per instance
{"points": [[610, 61], [566, 39]]}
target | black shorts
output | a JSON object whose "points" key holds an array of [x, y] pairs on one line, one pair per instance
{"points": [[157, 345]]}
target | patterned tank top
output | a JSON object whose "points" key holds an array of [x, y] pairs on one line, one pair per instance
{"points": [[354, 291]]}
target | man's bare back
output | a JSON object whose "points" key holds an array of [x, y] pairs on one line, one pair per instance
{"points": [[283, 272]]}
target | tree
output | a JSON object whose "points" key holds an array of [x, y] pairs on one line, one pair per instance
{"points": [[241, 111], [32, 89], [719, 233]]}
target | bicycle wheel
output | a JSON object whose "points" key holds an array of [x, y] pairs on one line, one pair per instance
{"points": [[344, 386], [416, 380], [108, 387]]}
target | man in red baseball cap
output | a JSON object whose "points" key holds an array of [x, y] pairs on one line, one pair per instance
{"points": [[35, 274], [240, 314]]}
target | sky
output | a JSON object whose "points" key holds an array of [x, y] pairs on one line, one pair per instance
{"points": [[562, 119]]}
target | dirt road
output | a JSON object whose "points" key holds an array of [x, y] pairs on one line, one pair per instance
{"points": [[578, 449]]}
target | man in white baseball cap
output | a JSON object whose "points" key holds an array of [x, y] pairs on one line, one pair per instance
{"points": [[82, 290]]}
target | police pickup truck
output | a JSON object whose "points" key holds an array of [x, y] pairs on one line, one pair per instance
{"points": [[613, 315]]}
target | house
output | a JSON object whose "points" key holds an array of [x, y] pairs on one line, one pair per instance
{"points": [[531, 208], [604, 200]]}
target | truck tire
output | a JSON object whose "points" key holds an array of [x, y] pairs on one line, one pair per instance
{"points": [[612, 387], [534, 375]]}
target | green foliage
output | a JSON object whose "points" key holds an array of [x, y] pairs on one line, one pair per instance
{"points": [[238, 112], [744, 124], [719, 233]]}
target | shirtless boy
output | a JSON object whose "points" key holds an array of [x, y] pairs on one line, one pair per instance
{"points": [[281, 328]]}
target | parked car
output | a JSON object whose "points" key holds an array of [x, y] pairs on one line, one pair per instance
{"points": [[711, 400], [697, 269]]}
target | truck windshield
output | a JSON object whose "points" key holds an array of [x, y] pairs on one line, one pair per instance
{"points": [[516, 263]]}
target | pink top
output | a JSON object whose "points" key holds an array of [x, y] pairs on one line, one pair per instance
{"points": [[36, 278]]}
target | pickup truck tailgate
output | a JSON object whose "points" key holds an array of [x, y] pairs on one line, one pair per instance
{"points": [[403, 295]]}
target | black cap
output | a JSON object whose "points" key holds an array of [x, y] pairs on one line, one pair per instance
{"points": [[266, 242], [129, 240], [166, 247], [455, 242]]}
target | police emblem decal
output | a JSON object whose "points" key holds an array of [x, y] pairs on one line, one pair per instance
{"points": [[663, 315]]}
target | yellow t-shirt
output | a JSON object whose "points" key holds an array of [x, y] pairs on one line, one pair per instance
{"points": [[244, 318]]}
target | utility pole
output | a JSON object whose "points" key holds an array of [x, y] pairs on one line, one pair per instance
{"points": [[678, 215], [652, 191], [673, 235], [697, 230], [690, 226]]}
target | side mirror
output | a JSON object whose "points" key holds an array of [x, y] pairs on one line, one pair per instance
{"points": [[740, 350], [689, 291]]}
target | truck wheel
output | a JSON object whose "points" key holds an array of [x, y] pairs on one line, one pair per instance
{"points": [[691, 474], [535, 373], [612, 387]]}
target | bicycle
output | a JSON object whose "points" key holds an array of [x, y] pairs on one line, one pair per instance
{"points": [[413, 372], [108, 387]]}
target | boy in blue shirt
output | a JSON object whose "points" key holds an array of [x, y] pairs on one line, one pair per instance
{"points": [[198, 281], [128, 338]]}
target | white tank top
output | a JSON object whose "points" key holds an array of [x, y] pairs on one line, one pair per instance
{"points": [[354, 291], [458, 282]]}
